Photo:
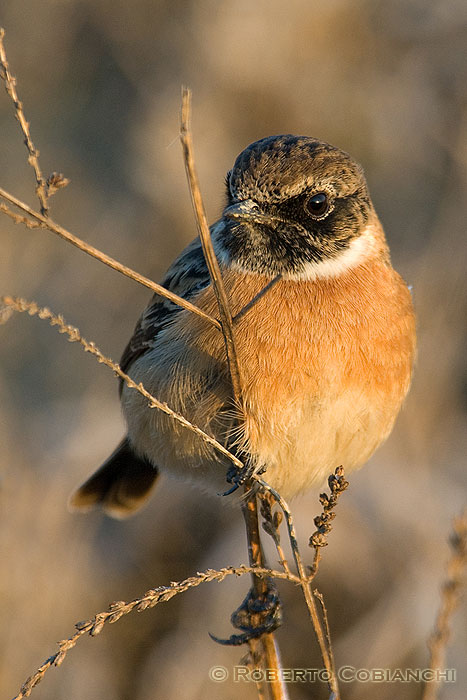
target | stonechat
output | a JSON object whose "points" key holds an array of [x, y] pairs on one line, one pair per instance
{"points": [[325, 355]]}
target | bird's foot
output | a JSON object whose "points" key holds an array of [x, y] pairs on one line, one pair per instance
{"points": [[257, 615], [238, 477]]}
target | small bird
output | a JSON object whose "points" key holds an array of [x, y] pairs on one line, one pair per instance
{"points": [[325, 355]]}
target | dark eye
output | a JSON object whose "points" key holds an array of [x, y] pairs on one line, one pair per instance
{"points": [[317, 205]]}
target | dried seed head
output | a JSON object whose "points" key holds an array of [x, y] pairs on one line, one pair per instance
{"points": [[83, 625], [97, 628], [56, 181], [60, 656], [318, 540]]}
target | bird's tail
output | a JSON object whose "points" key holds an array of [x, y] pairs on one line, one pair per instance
{"points": [[120, 486]]}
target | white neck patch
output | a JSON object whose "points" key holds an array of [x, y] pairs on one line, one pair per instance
{"points": [[357, 252]]}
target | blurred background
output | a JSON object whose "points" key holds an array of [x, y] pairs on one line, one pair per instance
{"points": [[101, 80]]}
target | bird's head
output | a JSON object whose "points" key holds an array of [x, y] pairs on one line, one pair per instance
{"points": [[297, 207]]}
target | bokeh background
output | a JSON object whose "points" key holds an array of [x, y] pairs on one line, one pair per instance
{"points": [[101, 84]]}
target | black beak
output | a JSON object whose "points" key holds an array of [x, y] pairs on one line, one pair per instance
{"points": [[248, 210]]}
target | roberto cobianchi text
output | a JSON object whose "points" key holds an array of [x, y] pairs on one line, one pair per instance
{"points": [[346, 674]]}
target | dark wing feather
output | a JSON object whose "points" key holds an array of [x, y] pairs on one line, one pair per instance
{"points": [[187, 276]]}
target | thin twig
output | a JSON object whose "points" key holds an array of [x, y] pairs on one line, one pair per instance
{"points": [[260, 586], [305, 585], [50, 225], [33, 159], [21, 305], [324, 611], [208, 250], [271, 525], [18, 219], [249, 506], [117, 610], [256, 298], [450, 596]]}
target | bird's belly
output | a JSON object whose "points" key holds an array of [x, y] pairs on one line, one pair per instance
{"points": [[305, 444]]}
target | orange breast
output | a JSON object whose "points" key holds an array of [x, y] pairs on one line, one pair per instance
{"points": [[357, 329], [325, 365]]}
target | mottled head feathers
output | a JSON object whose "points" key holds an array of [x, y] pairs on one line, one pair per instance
{"points": [[292, 202], [278, 167]]}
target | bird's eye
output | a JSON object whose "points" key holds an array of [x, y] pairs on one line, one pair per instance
{"points": [[317, 205]]}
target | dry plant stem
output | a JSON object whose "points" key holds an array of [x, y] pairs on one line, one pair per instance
{"points": [[277, 688], [288, 518], [256, 298], [250, 510], [314, 566], [21, 305], [33, 159], [120, 608], [450, 595], [282, 559], [305, 582], [271, 524], [253, 660], [50, 225], [256, 559], [18, 219], [324, 611], [260, 689], [208, 250]]}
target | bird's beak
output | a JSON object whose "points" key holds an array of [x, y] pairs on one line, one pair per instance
{"points": [[247, 210]]}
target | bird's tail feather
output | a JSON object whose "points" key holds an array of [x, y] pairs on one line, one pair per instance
{"points": [[120, 486]]}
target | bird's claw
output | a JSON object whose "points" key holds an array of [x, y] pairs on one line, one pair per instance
{"points": [[257, 615], [238, 477]]}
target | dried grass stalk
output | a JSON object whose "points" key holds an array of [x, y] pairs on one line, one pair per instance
{"points": [[74, 336], [450, 597], [150, 599], [33, 158]]}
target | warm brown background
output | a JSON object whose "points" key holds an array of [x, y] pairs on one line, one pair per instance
{"points": [[101, 84]]}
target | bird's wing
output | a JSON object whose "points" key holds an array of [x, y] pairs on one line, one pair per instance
{"points": [[187, 276]]}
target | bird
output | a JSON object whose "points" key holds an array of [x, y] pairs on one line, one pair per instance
{"points": [[325, 354]]}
